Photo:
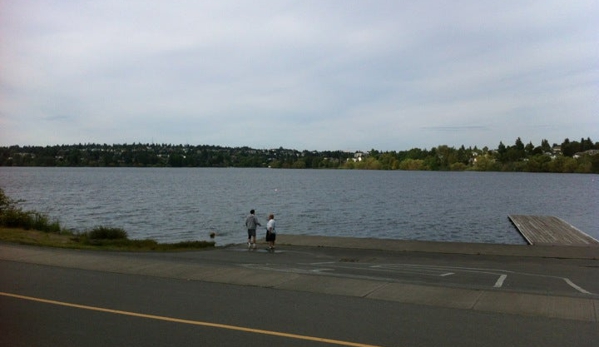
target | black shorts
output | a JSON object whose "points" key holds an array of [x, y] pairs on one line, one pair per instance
{"points": [[270, 236]]}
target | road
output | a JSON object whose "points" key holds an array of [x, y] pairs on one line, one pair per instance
{"points": [[313, 297], [567, 277]]}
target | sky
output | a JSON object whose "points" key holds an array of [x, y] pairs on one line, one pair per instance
{"points": [[306, 75]]}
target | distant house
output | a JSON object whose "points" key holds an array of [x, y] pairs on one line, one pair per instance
{"points": [[589, 152], [357, 157], [557, 149]]}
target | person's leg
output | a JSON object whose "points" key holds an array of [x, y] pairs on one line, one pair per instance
{"points": [[271, 241]]}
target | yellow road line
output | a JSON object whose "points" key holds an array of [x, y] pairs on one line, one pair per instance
{"points": [[192, 322]]}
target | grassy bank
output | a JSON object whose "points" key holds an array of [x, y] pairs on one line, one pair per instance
{"points": [[77, 241], [33, 228]]}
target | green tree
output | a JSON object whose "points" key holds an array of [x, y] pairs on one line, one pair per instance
{"points": [[388, 161], [175, 160], [463, 156], [485, 163], [501, 151], [299, 164], [412, 164], [570, 148], [529, 149], [545, 146]]}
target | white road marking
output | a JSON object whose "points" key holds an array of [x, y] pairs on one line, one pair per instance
{"points": [[321, 263], [571, 284], [500, 281], [425, 270], [318, 272], [405, 270], [430, 268]]}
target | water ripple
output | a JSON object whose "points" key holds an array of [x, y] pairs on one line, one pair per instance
{"points": [[172, 205]]}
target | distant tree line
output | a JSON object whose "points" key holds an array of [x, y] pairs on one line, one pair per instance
{"points": [[568, 157]]}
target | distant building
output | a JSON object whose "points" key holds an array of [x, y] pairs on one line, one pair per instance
{"points": [[589, 152], [357, 157]]}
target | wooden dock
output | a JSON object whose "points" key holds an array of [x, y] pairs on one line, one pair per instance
{"points": [[550, 231]]}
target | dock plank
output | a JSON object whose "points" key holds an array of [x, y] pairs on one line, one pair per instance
{"points": [[550, 230]]}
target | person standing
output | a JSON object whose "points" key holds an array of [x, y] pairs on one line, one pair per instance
{"points": [[271, 232], [251, 222]]}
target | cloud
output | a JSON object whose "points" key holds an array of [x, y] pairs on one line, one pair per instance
{"points": [[311, 75], [457, 128]]}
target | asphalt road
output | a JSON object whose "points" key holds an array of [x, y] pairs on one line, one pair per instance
{"points": [[54, 298], [566, 277]]}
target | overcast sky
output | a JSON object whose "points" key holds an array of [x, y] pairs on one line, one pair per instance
{"points": [[315, 75]]}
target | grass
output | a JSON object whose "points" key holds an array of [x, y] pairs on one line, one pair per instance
{"points": [[82, 241], [33, 228], [35, 237]]}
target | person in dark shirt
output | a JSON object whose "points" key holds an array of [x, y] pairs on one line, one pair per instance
{"points": [[251, 222]]}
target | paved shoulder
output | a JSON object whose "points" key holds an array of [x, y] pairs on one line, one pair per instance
{"points": [[256, 269], [563, 252]]}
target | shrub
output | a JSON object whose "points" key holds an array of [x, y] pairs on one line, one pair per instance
{"points": [[6, 203], [106, 233], [15, 218], [41, 222], [12, 216]]}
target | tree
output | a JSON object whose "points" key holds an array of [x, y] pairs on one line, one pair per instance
{"points": [[518, 150], [485, 163], [443, 157], [586, 145], [568, 148], [463, 156], [529, 149], [175, 160], [501, 151], [412, 164], [519, 144], [299, 164], [545, 146]]}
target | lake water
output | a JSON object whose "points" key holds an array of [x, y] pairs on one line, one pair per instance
{"points": [[171, 205]]}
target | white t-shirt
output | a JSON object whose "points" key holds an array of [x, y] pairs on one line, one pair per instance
{"points": [[271, 226]]}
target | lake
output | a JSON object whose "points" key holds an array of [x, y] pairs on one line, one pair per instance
{"points": [[172, 204]]}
